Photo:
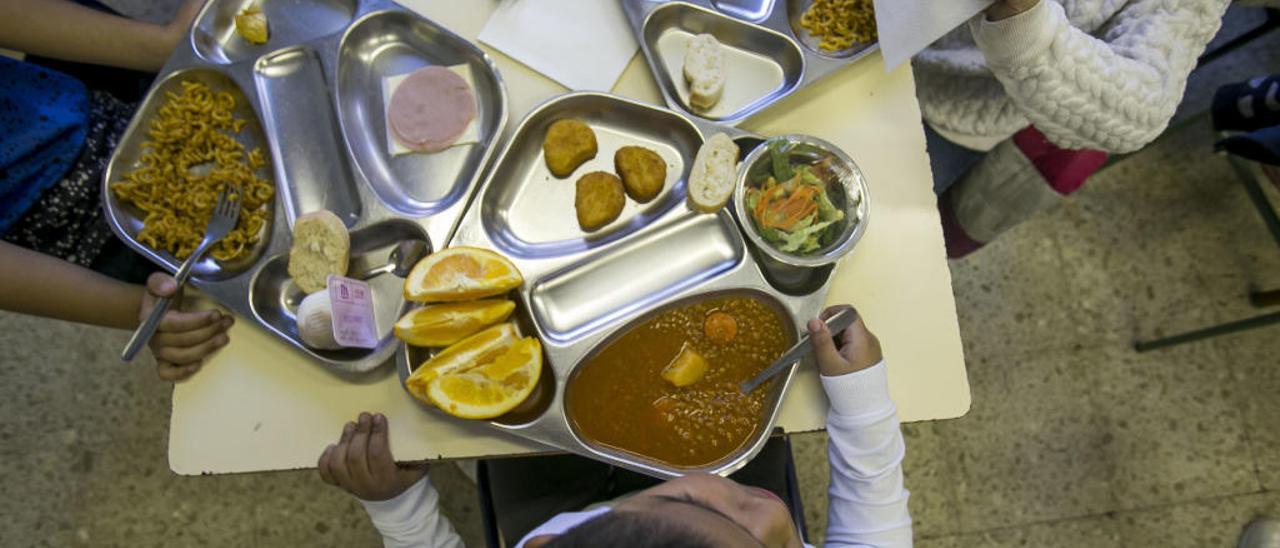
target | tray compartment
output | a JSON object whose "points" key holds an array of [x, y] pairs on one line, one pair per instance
{"points": [[391, 43], [274, 298], [795, 9], [528, 212], [748, 10], [761, 65], [126, 220], [410, 358], [304, 135], [771, 407], [584, 297], [289, 22], [655, 255]]}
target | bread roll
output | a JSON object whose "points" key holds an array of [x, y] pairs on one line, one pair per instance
{"points": [[704, 71], [714, 174], [320, 247]]}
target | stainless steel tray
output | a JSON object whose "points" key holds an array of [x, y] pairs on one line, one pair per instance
{"points": [[581, 290], [768, 55], [313, 99]]}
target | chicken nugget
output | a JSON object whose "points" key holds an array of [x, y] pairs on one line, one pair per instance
{"points": [[599, 200], [643, 172], [567, 145]]}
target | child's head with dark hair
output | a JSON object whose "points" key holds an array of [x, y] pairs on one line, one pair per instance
{"points": [[632, 529], [694, 511]]}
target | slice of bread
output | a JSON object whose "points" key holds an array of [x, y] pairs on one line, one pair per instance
{"points": [[321, 247], [714, 174], [704, 71]]}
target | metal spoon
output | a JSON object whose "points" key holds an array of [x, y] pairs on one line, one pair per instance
{"points": [[403, 257], [835, 324]]}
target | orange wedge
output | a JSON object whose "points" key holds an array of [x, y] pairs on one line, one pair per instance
{"points": [[461, 274], [491, 389], [448, 323], [473, 351]]}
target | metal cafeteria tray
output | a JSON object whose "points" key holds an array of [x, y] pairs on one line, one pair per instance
{"points": [[313, 99], [768, 55], [582, 291]]}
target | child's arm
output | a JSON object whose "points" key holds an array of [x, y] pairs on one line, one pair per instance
{"points": [[37, 284], [867, 500], [41, 285], [401, 502], [68, 31]]}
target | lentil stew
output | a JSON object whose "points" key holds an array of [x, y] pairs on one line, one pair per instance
{"points": [[618, 398]]}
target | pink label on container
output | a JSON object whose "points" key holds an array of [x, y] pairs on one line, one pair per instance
{"points": [[353, 322]]}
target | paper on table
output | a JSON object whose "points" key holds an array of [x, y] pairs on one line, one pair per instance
{"points": [[908, 26], [583, 44], [470, 136]]}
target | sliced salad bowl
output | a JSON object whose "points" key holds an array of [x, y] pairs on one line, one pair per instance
{"points": [[846, 190]]}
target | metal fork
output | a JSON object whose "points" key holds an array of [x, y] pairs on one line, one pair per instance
{"points": [[221, 222]]}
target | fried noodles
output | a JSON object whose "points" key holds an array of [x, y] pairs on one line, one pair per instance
{"points": [[190, 156]]}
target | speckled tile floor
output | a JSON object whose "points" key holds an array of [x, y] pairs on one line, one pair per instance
{"points": [[1073, 440]]}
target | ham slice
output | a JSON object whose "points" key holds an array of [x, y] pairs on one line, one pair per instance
{"points": [[431, 109]]}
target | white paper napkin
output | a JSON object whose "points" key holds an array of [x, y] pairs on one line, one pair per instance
{"points": [[583, 44], [908, 26], [469, 136]]}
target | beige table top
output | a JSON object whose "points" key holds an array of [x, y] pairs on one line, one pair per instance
{"points": [[258, 405]]}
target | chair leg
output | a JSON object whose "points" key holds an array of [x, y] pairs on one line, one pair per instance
{"points": [[1209, 332], [1258, 197], [491, 534], [1270, 23], [1263, 299]]}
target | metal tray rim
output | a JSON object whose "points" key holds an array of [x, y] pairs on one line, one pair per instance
{"points": [[551, 427], [233, 290]]}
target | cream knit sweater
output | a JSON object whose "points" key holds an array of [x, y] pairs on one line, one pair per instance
{"points": [[1097, 74]]}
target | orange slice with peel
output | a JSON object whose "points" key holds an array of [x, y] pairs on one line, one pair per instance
{"points": [[489, 390], [461, 274], [473, 351], [447, 323]]}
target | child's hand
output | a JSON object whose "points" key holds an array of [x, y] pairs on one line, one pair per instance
{"points": [[1004, 9], [177, 29], [361, 463], [853, 349], [183, 339]]}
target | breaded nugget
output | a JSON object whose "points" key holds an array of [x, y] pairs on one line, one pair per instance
{"points": [[599, 200], [643, 172], [568, 144]]}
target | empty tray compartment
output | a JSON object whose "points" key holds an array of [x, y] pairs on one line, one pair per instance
{"points": [[305, 135], [581, 298]]}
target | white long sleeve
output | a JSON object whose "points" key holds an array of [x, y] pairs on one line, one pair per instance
{"points": [[867, 504], [1115, 92], [413, 520], [1096, 74], [867, 507]]}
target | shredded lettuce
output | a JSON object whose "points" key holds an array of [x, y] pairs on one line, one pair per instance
{"points": [[753, 198], [781, 161], [804, 240], [808, 234], [828, 210]]}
